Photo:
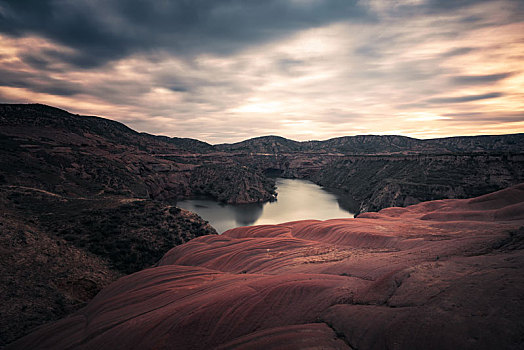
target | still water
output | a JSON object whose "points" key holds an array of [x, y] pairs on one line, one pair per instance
{"points": [[297, 200]]}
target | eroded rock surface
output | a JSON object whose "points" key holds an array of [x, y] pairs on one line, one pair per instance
{"points": [[445, 274]]}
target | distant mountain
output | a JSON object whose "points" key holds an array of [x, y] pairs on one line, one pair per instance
{"points": [[186, 144], [383, 171], [265, 144], [51, 149], [375, 144], [482, 143], [369, 144]]}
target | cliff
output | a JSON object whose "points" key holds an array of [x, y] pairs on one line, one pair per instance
{"points": [[381, 181], [383, 171], [437, 275], [378, 182]]}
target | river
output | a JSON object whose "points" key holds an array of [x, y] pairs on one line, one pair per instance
{"points": [[297, 200]]}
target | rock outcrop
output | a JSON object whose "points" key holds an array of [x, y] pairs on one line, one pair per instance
{"points": [[444, 274]]}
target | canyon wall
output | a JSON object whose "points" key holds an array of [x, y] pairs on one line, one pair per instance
{"points": [[48, 148], [378, 182]]}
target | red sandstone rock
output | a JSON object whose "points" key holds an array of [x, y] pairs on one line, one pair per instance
{"points": [[437, 275]]}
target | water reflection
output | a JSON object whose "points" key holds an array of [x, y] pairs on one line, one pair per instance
{"points": [[297, 200], [247, 214]]}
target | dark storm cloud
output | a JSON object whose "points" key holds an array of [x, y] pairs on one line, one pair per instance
{"points": [[300, 68], [35, 61], [49, 59], [38, 83], [461, 99], [103, 30], [479, 79]]}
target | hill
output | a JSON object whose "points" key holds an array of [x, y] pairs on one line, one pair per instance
{"points": [[380, 145], [51, 149]]}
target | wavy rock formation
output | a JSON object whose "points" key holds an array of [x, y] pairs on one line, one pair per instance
{"points": [[444, 274]]}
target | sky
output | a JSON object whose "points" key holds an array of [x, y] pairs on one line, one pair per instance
{"points": [[228, 70]]}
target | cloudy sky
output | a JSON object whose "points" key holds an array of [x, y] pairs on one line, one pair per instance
{"points": [[228, 70]]}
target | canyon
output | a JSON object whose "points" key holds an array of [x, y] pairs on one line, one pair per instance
{"points": [[86, 201], [49, 148]]}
